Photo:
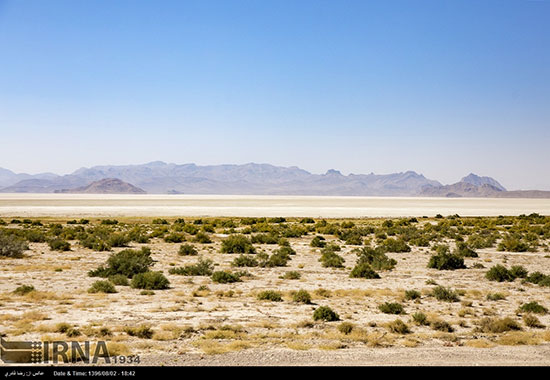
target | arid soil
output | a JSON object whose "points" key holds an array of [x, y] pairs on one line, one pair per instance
{"points": [[198, 322]]}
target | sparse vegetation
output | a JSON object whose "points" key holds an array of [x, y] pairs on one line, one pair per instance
{"points": [[12, 246], [302, 296], [224, 277], [143, 331], [203, 267], [325, 313], [398, 327], [102, 287], [533, 307], [391, 308], [270, 295], [23, 289], [446, 261], [488, 307], [187, 250], [150, 281], [237, 244], [128, 262], [445, 294]]}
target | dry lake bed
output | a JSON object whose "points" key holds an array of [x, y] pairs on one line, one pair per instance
{"points": [[36, 205]]}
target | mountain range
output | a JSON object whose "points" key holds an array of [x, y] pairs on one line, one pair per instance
{"points": [[259, 179]]}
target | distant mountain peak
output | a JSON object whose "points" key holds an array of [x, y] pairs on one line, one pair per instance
{"points": [[159, 177], [106, 186], [474, 179], [334, 172]]}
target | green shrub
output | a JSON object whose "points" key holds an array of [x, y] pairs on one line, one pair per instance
{"points": [[398, 327], [420, 318], [244, 261], [445, 294], [159, 221], [279, 259], [517, 271], [190, 229], [109, 222], [102, 287], [318, 242], [395, 245], [202, 238], [12, 246], [187, 250], [143, 331], [495, 297], [224, 277], [285, 250], [363, 270], [463, 250], [128, 262], [34, 236], [302, 296], [237, 244], [118, 240], [532, 321], [511, 244], [265, 238], [270, 295], [533, 307], [291, 275], [59, 245], [150, 281], [330, 259], [412, 295], [23, 289], [325, 313], [391, 308], [538, 278], [442, 326], [497, 326], [204, 267], [354, 239], [499, 273], [94, 242], [119, 279], [376, 258], [174, 237], [345, 328], [446, 262]]}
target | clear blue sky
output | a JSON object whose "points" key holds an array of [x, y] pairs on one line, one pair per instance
{"points": [[440, 87]]}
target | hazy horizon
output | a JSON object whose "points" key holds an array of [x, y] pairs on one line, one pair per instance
{"points": [[258, 163], [443, 88]]}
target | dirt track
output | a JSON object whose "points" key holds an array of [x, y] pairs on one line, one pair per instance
{"points": [[394, 356]]}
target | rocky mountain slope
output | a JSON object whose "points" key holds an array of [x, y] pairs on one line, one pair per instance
{"points": [[162, 178], [258, 179], [105, 186]]}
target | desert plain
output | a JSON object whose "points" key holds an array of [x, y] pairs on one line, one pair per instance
{"points": [[408, 313]]}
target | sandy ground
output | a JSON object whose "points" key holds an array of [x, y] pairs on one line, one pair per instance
{"points": [[232, 327], [78, 205], [394, 356]]}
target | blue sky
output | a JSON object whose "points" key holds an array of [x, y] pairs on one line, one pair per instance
{"points": [[440, 87]]}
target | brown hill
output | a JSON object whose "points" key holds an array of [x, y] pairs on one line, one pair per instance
{"points": [[468, 190], [106, 186], [460, 189]]}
